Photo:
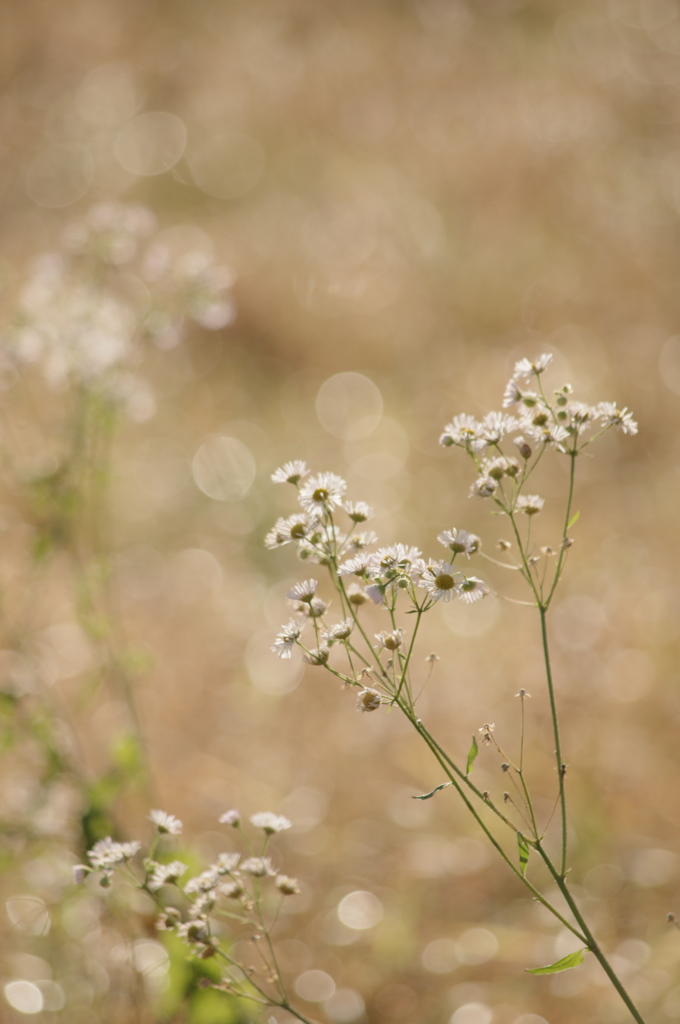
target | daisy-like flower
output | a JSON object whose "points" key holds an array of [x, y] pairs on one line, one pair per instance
{"points": [[287, 886], [314, 609], [548, 434], [356, 595], [463, 431], [340, 631], [166, 874], [357, 566], [439, 579], [472, 589], [166, 823], [460, 541], [359, 541], [270, 823], [527, 368], [622, 419], [530, 504], [394, 559], [232, 889], [205, 882], [323, 492], [391, 641], [483, 487], [226, 862], [232, 817], [304, 591], [106, 852], [317, 655], [496, 425], [295, 528], [285, 641], [290, 473], [358, 511], [368, 700], [258, 866], [512, 394]]}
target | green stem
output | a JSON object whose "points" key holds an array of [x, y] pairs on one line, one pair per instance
{"points": [[591, 941], [556, 733]]}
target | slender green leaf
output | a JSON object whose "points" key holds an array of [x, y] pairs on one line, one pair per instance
{"points": [[472, 754], [574, 519], [426, 796], [572, 960], [523, 853]]}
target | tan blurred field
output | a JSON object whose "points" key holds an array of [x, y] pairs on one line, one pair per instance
{"points": [[419, 192]]}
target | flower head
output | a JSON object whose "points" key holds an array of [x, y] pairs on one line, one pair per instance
{"points": [[472, 589], [270, 823], [323, 492], [232, 818], [166, 823], [622, 419], [527, 368], [290, 472], [460, 541], [304, 591], [286, 639], [368, 700], [439, 579], [166, 874], [530, 504]]}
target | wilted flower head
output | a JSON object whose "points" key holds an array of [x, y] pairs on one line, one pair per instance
{"points": [[368, 700]]}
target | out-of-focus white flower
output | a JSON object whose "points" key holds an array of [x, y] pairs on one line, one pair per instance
{"points": [[166, 823], [270, 823]]}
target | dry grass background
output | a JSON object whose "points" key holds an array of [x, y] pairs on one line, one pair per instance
{"points": [[421, 193]]}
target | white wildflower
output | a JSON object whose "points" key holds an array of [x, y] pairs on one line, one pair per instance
{"points": [[270, 823], [512, 394], [472, 589], [287, 886], [527, 368], [290, 473], [439, 579], [611, 416], [286, 639], [340, 631], [391, 641], [304, 591], [357, 566], [166, 874], [258, 866], [226, 862], [496, 425], [358, 511], [464, 431], [166, 823], [232, 818], [106, 852], [323, 492], [484, 487], [460, 541], [530, 504]]}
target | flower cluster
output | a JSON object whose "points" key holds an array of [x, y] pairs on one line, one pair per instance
{"points": [[197, 907], [325, 532], [539, 421], [84, 311]]}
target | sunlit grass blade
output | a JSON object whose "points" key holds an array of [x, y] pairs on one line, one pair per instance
{"points": [[566, 963]]}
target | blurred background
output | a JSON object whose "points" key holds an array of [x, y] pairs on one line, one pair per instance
{"points": [[409, 196]]}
